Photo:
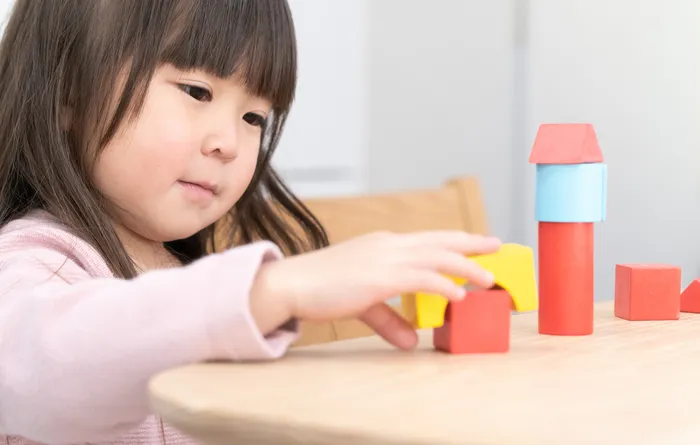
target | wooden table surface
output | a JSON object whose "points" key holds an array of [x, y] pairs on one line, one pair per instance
{"points": [[629, 383]]}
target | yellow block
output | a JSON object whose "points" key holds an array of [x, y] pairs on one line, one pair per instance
{"points": [[513, 268]]}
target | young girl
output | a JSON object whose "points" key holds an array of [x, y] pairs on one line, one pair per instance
{"points": [[129, 128]]}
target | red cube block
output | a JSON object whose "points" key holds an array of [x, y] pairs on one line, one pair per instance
{"points": [[647, 292], [480, 323]]}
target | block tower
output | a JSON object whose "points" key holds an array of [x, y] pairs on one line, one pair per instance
{"points": [[570, 196]]}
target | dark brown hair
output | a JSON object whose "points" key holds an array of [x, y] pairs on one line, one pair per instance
{"points": [[65, 56]]}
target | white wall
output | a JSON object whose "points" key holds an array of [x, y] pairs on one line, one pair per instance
{"points": [[632, 68], [323, 151], [441, 86], [390, 89], [5, 9]]}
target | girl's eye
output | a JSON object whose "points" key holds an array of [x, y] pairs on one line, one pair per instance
{"points": [[254, 119], [197, 93]]}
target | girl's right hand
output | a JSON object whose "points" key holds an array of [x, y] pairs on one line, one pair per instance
{"points": [[356, 277]]}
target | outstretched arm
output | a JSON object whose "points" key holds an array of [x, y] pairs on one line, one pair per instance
{"points": [[76, 352]]}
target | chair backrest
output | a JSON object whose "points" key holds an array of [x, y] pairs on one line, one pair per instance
{"points": [[458, 205]]}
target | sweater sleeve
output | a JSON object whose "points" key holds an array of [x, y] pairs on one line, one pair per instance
{"points": [[76, 353]]}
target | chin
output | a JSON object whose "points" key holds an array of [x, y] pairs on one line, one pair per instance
{"points": [[180, 230]]}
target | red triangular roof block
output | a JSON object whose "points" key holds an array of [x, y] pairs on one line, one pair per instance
{"points": [[690, 298], [566, 144]]}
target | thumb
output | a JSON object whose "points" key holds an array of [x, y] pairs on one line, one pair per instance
{"points": [[390, 325]]}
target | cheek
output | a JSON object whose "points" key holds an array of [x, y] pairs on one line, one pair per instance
{"points": [[145, 158], [164, 132], [252, 153], [241, 171]]}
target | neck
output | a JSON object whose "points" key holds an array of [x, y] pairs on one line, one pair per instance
{"points": [[145, 253]]}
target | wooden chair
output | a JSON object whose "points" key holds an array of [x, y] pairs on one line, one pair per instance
{"points": [[458, 204]]}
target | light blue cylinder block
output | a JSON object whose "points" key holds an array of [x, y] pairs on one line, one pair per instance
{"points": [[571, 192]]}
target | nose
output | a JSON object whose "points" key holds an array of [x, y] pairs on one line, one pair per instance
{"points": [[223, 141]]}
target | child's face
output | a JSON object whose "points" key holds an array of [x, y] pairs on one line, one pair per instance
{"points": [[186, 159]]}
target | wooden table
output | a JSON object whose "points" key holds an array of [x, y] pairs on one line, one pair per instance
{"points": [[630, 383]]}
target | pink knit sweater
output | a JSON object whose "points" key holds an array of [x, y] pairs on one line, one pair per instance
{"points": [[78, 346]]}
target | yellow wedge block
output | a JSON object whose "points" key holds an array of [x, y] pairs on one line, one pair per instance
{"points": [[513, 268]]}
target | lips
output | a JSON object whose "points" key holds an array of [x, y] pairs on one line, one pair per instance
{"points": [[201, 184]]}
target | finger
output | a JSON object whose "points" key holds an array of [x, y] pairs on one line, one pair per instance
{"points": [[455, 240], [456, 265], [391, 326], [432, 283]]}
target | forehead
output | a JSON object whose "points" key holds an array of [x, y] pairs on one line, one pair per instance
{"points": [[249, 41]]}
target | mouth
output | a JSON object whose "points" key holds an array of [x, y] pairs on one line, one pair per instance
{"points": [[201, 186]]}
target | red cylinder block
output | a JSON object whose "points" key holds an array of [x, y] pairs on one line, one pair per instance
{"points": [[566, 277]]}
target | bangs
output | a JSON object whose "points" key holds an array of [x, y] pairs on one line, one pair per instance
{"points": [[252, 40]]}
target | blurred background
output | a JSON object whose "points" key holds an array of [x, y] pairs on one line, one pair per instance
{"points": [[402, 94], [399, 94]]}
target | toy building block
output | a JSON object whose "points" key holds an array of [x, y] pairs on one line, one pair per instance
{"points": [[570, 196], [479, 324], [424, 310], [566, 276], [513, 267], [690, 298], [571, 193], [565, 144], [647, 292]]}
